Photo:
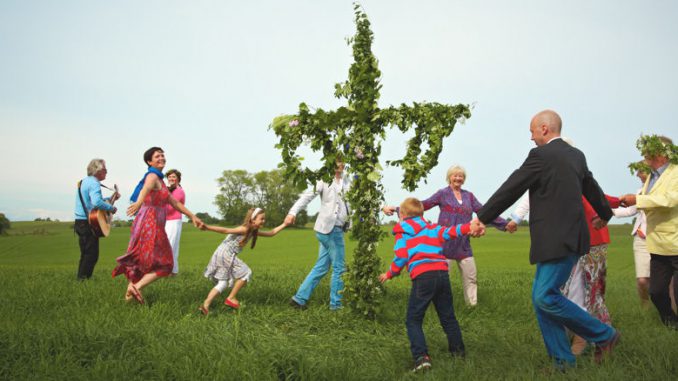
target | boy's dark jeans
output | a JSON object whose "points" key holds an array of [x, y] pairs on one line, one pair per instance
{"points": [[432, 286]]}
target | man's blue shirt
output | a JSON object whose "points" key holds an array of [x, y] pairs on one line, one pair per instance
{"points": [[91, 195]]}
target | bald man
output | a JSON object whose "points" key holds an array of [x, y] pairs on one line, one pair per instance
{"points": [[557, 176]]}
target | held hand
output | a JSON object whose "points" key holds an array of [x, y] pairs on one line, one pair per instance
{"points": [[628, 200], [133, 209], [598, 223], [203, 227], [289, 220], [477, 228], [511, 227], [383, 277], [197, 222], [388, 210]]}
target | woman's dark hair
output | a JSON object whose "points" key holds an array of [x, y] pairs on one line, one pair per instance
{"points": [[148, 155]]}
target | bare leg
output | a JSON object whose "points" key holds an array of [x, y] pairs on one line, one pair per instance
{"points": [[146, 280], [208, 302], [673, 289], [643, 291], [240, 283]]}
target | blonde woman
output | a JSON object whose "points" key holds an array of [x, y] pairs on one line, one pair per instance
{"points": [[457, 206]]}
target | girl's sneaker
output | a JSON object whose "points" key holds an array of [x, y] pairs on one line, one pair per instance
{"points": [[422, 364]]}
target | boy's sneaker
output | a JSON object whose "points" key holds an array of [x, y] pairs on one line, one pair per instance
{"points": [[422, 364]]}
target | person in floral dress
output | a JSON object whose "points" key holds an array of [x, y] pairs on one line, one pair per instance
{"points": [[149, 254]]}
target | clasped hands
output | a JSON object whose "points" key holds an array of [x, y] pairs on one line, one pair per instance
{"points": [[627, 200], [477, 228]]}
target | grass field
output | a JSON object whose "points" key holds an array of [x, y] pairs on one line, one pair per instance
{"points": [[55, 328]]}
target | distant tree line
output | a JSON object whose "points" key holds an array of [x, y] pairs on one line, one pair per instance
{"points": [[46, 219]]}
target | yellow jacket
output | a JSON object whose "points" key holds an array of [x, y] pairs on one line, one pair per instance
{"points": [[661, 208]]}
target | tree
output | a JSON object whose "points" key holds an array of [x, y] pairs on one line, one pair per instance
{"points": [[234, 198], [270, 190], [4, 224], [355, 133]]}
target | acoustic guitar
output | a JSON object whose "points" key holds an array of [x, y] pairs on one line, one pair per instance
{"points": [[100, 220]]}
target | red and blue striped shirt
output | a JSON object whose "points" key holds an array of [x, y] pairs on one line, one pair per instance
{"points": [[419, 245]]}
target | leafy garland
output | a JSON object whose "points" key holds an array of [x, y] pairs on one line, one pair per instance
{"points": [[354, 134], [651, 146]]}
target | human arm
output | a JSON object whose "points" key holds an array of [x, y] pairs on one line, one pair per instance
{"points": [[595, 196], [498, 222], [517, 183], [399, 261], [180, 207], [519, 213], [389, 209], [97, 199], [223, 230], [522, 209], [150, 183], [304, 199], [664, 195], [625, 212], [433, 200], [446, 233], [274, 231]]}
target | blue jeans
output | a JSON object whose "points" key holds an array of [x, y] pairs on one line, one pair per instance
{"points": [[331, 253], [555, 312], [432, 286]]}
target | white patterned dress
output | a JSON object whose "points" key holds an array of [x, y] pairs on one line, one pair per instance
{"points": [[225, 264]]}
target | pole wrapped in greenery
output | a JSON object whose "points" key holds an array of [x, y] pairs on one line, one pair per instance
{"points": [[354, 134]]}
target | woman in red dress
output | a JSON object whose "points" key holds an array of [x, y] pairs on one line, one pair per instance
{"points": [[149, 255]]}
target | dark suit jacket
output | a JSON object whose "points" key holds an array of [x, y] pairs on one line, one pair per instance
{"points": [[557, 176]]}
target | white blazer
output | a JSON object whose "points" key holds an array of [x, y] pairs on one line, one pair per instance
{"points": [[334, 211]]}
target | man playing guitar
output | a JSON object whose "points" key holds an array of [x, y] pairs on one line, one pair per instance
{"points": [[87, 198]]}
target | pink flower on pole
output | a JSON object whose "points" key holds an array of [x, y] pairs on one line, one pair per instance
{"points": [[294, 123], [359, 153]]}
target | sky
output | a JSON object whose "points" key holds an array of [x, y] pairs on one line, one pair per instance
{"points": [[204, 79]]}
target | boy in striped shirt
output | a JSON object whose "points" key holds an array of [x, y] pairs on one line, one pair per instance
{"points": [[419, 246]]}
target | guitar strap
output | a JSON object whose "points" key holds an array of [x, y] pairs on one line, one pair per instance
{"points": [[84, 208]]}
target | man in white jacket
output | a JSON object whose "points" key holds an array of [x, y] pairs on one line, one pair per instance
{"points": [[330, 225]]}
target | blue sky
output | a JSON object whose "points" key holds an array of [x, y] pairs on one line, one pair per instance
{"points": [[203, 80]]}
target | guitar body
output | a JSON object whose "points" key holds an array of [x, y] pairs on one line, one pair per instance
{"points": [[101, 220]]}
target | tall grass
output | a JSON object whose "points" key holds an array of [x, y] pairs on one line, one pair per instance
{"points": [[53, 327]]}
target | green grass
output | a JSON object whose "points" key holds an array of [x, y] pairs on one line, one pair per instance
{"points": [[54, 327]]}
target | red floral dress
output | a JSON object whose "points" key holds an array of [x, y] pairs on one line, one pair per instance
{"points": [[149, 249]]}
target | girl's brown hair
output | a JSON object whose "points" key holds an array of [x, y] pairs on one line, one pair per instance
{"points": [[250, 232]]}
